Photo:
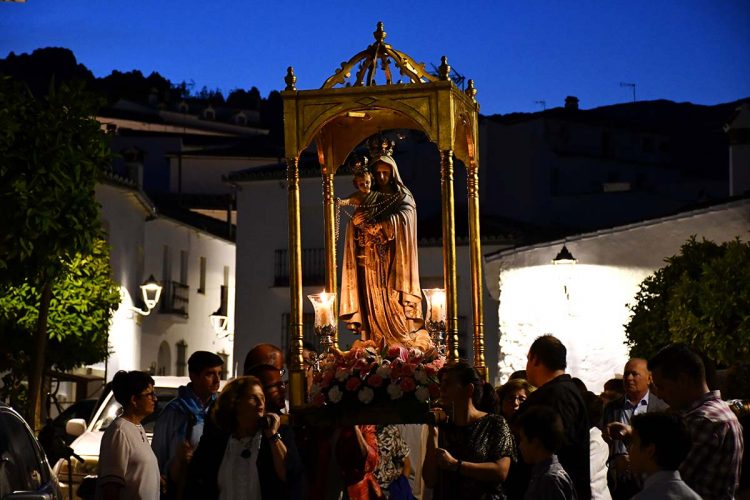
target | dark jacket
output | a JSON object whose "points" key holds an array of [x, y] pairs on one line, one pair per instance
{"points": [[204, 467], [614, 409], [561, 395]]}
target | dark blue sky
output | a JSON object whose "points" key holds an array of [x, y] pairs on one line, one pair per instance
{"points": [[518, 52]]}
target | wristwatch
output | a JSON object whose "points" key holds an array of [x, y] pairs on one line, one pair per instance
{"points": [[274, 438]]}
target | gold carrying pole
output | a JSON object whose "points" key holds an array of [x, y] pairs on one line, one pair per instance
{"points": [[329, 213], [475, 252], [297, 374], [449, 254]]}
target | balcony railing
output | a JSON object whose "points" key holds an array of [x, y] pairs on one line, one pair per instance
{"points": [[313, 267], [176, 297]]}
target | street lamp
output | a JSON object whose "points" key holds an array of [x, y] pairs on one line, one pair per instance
{"points": [[564, 257], [150, 292]]}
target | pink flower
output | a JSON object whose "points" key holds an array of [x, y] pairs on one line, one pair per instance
{"points": [[375, 380], [407, 384], [398, 352], [353, 383]]}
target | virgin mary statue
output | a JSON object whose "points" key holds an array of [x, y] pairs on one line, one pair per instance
{"points": [[380, 294]]}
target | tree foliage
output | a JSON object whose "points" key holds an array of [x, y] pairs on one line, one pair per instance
{"points": [[84, 298], [701, 297], [52, 153]]}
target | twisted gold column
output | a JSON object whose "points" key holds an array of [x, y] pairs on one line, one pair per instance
{"points": [[475, 253], [329, 216], [297, 383], [449, 254]]}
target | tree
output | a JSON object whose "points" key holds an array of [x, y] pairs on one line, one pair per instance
{"points": [[52, 152], [701, 297], [84, 298]]}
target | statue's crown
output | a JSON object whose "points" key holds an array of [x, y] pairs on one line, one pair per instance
{"points": [[379, 146]]}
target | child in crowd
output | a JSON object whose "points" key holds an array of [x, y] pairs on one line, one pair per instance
{"points": [[541, 435], [658, 444]]}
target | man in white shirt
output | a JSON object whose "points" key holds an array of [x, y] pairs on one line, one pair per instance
{"points": [[659, 442], [637, 400]]}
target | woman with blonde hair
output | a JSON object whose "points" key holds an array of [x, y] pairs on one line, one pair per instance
{"points": [[249, 454]]}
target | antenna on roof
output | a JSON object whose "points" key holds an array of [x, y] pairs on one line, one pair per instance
{"points": [[631, 85], [542, 103]]}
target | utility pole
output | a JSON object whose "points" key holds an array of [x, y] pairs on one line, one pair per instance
{"points": [[542, 103], [631, 85]]}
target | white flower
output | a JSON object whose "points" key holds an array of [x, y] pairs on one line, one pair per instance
{"points": [[421, 376], [365, 395], [394, 391], [384, 371], [335, 394], [315, 390], [422, 394]]}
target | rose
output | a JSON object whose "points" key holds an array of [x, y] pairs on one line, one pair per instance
{"points": [[375, 380], [335, 394], [407, 384], [398, 352], [319, 399], [422, 394], [394, 391], [353, 383], [365, 395]]}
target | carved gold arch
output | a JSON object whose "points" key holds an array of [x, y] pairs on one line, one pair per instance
{"points": [[338, 119]]}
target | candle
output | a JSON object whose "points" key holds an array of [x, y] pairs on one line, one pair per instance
{"points": [[438, 306]]}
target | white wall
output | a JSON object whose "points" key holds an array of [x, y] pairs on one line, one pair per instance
{"points": [[202, 174], [196, 329], [585, 304], [123, 215]]}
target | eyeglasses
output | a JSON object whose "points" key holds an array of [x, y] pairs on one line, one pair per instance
{"points": [[150, 394], [281, 385], [513, 399]]}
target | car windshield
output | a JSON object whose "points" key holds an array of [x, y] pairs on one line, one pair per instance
{"points": [[113, 408]]}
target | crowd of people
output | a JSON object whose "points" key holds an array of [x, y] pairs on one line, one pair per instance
{"points": [[659, 433]]}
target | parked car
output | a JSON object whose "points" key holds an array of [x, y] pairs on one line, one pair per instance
{"points": [[88, 435], [24, 470], [53, 437]]}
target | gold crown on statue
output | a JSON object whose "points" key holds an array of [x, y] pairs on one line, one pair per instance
{"points": [[358, 165], [380, 145]]}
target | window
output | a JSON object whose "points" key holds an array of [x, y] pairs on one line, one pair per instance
{"points": [[183, 267], [164, 360], [20, 464], [166, 266], [202, 279], [181, 358]]}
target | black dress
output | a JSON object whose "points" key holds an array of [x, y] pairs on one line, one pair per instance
{"points": [[487, 440]]}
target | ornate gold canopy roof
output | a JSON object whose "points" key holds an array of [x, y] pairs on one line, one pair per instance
{"points": [[342, 114]]}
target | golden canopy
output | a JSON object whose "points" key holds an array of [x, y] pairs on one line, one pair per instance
{"points": [[341, 115]]}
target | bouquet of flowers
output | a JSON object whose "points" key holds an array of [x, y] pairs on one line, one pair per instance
{"points": [[363, 376]]}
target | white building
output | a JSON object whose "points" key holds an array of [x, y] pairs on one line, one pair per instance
{"points": [[585, 304], [191, 264]]}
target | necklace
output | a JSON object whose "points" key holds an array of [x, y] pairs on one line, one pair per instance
{"points": [[387, 200]]}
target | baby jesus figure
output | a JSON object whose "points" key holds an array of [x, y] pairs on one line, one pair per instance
{"points": [[366, 201]]}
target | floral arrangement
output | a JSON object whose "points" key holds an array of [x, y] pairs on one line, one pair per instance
{"points": [[364, 376]]}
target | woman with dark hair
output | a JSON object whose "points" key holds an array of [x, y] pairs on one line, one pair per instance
{"points": [[128, 468], [469, 455], [511, 395], [250, 454]]}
